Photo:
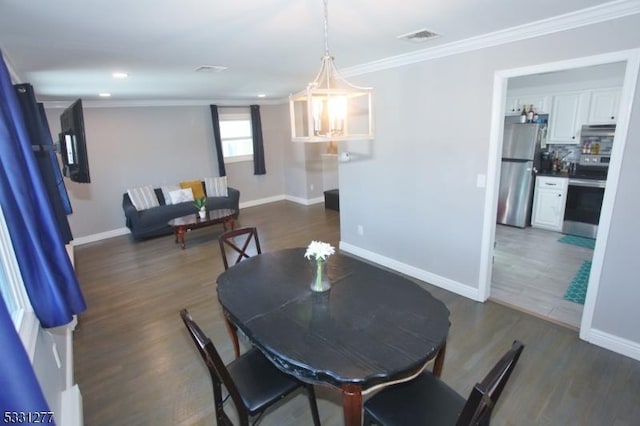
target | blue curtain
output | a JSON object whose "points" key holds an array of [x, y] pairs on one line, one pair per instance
{"points": [[215, 121], [46, 270], [44, 150], [258, 146], [20, 390]]}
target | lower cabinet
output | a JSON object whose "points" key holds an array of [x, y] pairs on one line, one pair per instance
{"points": [[549, 200]]}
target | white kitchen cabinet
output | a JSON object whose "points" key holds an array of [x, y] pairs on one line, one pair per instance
{"points": [[549, 200], [514, 104], [604, 106], [568, 114]]}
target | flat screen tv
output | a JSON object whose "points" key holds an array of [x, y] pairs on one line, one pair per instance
{"points": [[73, 144]]}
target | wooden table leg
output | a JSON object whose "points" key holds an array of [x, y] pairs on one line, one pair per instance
{"points": [[231, 223], [352, 404], [180, 231], [439, 361]]}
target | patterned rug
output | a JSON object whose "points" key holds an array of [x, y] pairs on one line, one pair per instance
{"points": [[577, 290], [578, 241]]}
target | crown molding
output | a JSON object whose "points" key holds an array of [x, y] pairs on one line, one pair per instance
{"points": [[97, 103], [592, 15]]}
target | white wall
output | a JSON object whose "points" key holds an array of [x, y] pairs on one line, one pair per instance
{"points": [[616, 311], [416, 195], [134, 146]]}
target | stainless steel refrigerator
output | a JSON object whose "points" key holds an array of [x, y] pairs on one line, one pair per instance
{"points": [[520, 156]]}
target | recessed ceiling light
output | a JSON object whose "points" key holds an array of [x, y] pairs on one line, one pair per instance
{"points": [[120, 75], [105, 95], [262, 95]]}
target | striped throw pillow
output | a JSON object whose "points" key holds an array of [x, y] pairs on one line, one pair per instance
{"points": [[143, 198], [216, 186], [166, 190]]}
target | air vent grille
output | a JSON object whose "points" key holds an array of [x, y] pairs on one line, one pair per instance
{"points": [[210, 68], [419, 36]]}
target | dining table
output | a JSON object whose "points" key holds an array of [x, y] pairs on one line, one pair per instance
{"points": [[373, 326]]}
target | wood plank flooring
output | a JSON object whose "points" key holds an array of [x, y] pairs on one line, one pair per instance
{"points": [[136, 365], [532, 271]]}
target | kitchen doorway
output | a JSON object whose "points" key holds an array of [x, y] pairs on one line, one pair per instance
{"points": [[501, 80], [534, 266]]}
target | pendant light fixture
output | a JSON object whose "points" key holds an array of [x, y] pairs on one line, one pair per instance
{"points": [[331, 109]]}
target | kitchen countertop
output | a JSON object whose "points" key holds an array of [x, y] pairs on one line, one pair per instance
{"points": [[554, 174]]}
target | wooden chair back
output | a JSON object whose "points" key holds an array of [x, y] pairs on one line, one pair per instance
{"points": [[484, 396], [217, 370], [238, 243]]}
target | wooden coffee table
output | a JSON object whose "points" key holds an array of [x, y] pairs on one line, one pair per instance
{"points": [[182, 224]]}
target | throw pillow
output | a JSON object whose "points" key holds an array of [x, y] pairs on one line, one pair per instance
{"points": [[166, 189], [216, 186], [196, 187], [143, 198], [181, 196]]}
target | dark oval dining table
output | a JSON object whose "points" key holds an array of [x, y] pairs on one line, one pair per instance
{"points": [[372, 327]]}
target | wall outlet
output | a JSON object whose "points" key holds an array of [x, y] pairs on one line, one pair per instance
{"points": [[360, 230], [481, 181]]}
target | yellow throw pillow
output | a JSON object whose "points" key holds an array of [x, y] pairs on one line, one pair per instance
{"points": [[196, 188]]}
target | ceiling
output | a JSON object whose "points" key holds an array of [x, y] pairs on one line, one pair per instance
{"points": [[69, 48]]}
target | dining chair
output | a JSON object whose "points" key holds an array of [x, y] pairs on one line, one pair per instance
{"points": [[253, 383], [238, 242], [427, 400]]}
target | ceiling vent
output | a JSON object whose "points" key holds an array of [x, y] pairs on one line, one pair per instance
{"points": [[419, 36], [210, 68]]}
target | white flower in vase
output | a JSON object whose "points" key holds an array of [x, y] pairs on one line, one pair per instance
{"points": [[319, 252]]}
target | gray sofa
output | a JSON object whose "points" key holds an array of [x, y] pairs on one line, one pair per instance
{"points": [[153, 222]]}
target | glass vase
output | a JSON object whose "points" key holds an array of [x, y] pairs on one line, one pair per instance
{"points": [[319, 278]]}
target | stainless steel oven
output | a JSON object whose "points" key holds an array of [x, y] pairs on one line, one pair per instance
{"points": [[582, 210], [587, 182]]}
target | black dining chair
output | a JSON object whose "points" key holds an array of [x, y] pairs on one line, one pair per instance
{"points": [[252, 381], [240, 243], [427, 400]]}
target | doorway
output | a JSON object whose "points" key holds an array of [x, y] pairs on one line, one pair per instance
{"points": [[631, 59], [533, 266]]}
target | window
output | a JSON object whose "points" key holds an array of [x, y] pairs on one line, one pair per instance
{"points": [[13, 292], [236, 137]]}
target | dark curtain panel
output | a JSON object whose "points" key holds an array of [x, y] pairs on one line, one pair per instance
{"points": [[215, 120], [258, 146], [46, 270], [21, 391], [44, 151]]}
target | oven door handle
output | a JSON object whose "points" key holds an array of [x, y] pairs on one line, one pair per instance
{"points": [[588, 183]]}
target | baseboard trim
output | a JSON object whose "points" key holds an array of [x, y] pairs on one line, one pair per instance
{"points": [[422, 275], [614, 343], [71, 407], [267, 200], [304, 201], [99, 236]]}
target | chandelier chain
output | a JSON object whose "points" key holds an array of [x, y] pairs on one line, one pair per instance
{"points": [[326, 27]]}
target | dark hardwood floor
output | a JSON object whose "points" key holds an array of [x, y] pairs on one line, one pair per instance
{"points": [[136, 365]]}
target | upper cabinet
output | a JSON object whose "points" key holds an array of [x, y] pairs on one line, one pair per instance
{"points": [[604, 105], [568, 113], [515, 103]]}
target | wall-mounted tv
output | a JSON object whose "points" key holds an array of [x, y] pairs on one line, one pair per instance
{"points": [[73, 144]]}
